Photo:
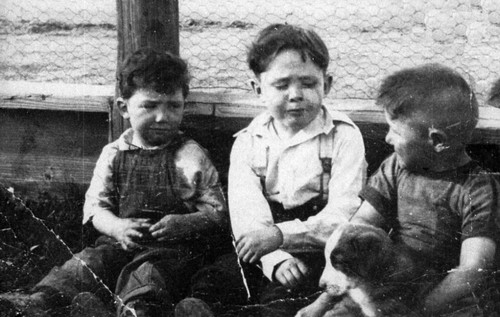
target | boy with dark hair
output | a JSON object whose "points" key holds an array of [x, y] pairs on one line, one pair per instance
{"points": [[155, 198], [296, 170], [429, 194]]}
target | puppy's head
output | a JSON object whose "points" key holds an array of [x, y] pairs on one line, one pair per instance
{"points": [[353, 253]]}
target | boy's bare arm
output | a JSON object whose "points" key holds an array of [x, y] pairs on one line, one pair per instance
{"points": [[476, 258]]}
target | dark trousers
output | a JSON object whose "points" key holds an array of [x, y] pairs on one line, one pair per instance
{"points": [[276, 299], [94, 269], [160, 276]]}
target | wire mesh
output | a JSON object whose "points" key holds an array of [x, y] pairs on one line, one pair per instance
{"points": [[75, 41]]}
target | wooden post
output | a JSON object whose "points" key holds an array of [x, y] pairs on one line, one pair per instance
{"points": [[153, 23]]}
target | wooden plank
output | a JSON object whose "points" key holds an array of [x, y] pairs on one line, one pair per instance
{"points": [[46, 169], [54, 96], [219, 104], [49, 150]]}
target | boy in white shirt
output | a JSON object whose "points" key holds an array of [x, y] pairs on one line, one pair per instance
{"points": [[296, 170]]}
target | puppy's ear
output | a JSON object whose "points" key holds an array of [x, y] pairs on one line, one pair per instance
{"points": [[368, 243], [368, 247]]}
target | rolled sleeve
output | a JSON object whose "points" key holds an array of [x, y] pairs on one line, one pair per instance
{"points": [[269, 262], [100, 194], [200, 189]]}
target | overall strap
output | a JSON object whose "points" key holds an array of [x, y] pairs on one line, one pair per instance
{"points": [[325, 156]]}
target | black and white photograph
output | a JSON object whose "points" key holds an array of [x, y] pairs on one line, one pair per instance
{"points": [[236, 158]]}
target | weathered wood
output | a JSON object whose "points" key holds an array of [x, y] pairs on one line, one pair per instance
{"points": [[219, 104], [54, 96], [363, 112], [43, 150], [141, 23]]}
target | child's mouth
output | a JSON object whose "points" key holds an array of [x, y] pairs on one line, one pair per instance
{"points": [[296, 112]]}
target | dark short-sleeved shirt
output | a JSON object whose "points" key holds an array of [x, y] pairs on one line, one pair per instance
{"points": [[432, 213]]}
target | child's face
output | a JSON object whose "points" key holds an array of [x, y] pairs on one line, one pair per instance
{"points": [[154, 117], [411, 144], [293, 89]]}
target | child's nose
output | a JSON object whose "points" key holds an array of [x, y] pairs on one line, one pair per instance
{"points": [[295, 93], [161, 115], [388, 137]]}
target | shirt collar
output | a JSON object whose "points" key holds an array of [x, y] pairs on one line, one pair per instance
{"points": [[126, 142], [323, 123]]}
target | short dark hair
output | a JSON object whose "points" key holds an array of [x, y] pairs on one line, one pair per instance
{"points": [[278, 37], [437, 91], [150, 68], [494, 96]]}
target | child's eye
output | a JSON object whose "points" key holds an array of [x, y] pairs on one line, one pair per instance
{"points": [[175, 105], [148, 105], [309, 83], [281, 86]]}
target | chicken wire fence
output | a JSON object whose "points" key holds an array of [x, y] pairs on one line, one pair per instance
{"points": [[74, 41]]}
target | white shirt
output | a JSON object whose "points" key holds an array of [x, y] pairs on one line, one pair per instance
{"points": [[293, 177]]}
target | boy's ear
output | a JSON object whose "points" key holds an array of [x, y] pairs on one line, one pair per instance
{"points": [[256, 87], [328, 83], [439, 139], [122, 107]]}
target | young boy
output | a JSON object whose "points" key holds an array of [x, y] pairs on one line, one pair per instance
{"points": [[429, 194], [296, 169], [154, 197]]}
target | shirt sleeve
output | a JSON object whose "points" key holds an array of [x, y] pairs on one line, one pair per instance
{"points": [[201, 191], [346, 180], [481, 208], [100, 194], [248, 208], [381, 189]]}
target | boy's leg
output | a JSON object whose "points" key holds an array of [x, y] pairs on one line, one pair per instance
{"points": [[91, 270], [220, 284], [155, 281]]}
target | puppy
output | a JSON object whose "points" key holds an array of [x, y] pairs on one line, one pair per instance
{"points": [[366, 275]]}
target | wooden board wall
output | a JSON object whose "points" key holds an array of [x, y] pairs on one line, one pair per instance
{"points": [[52, 134]]}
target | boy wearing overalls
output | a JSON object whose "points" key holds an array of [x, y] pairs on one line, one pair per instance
{"points": [[156, 200]]}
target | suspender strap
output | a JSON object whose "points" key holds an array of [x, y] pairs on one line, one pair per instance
{"points": [[263, 172], [325, 147], [325, 156]]}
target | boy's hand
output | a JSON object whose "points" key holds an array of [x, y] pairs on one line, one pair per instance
{"points": [[130, 230], [253, 245], [163, 229], [291, 272]]}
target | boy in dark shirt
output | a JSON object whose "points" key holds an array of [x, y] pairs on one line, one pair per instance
{"points": [[434, 198]]}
